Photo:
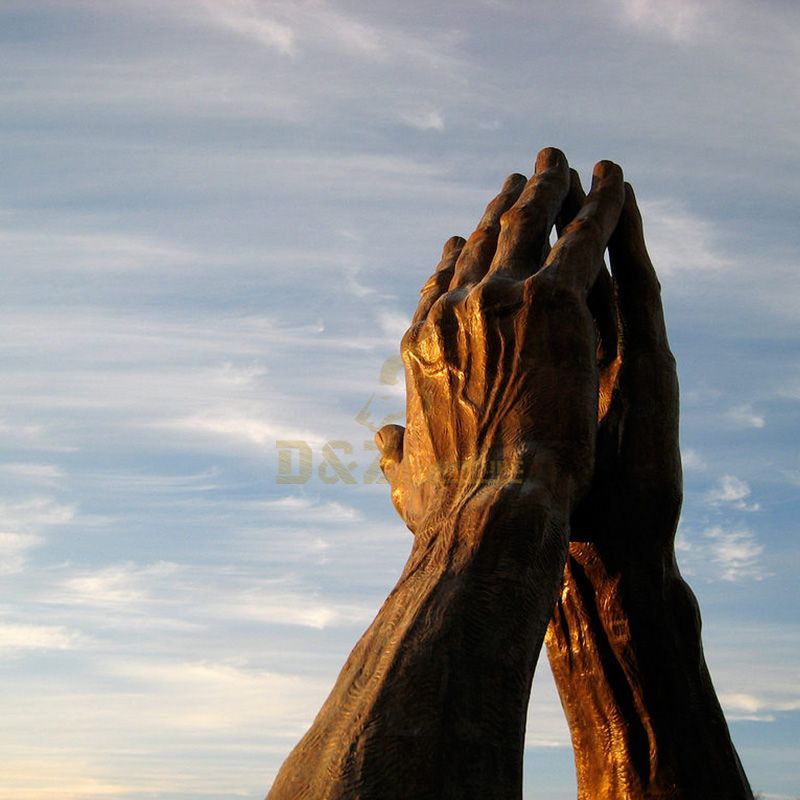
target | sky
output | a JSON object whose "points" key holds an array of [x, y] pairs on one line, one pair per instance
{"points": [[215, 217]]}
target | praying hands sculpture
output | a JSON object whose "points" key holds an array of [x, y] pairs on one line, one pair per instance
{"points": [[538, 469]]}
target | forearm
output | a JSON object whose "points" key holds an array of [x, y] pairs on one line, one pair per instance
{"points": [[432, 701], [626, 653]]}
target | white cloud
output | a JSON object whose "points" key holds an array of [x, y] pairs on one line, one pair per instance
{"points": [[678, 20], [735, 553], [428, 120], [244, 428], [229, 593], [90, 251], [118, 585], [734, 491], [220, 696], [34, 512], [22, 522], [13, 551], [743, 416], [752, 708], [730, 490], [29, 436], [754, 670], [35, 637], [692, 459], [39, 473], [305, 609], [295, 29], [303, 510], [245, 18], [741, 706], [681, 242]]}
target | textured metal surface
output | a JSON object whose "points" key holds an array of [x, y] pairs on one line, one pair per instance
{"points": [[624, 643], [505, 372]]}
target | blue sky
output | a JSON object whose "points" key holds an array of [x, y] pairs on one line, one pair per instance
{"points": [[214, 221]]}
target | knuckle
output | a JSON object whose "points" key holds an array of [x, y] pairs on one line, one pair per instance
{"points": [[494, 291], [519, 215], [487, 228], [584, 227]]}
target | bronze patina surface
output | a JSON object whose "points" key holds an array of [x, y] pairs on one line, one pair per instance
{"points": [[521, 495], [624, 643]]}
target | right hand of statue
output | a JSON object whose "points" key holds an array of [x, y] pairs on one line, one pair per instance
{"points": [[501, 375]]}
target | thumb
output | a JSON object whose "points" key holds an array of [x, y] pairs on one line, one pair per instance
{"points": [[390, 444]]}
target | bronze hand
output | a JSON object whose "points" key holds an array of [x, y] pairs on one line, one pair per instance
{"points": [[624, 643], [501, 420]]}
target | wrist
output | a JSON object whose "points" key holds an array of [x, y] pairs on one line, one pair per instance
{"points": [[627, 658], [513, 523]]}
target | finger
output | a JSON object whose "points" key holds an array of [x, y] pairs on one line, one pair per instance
{"points": [[577, 258], [525, 228], [603, 308], [601, 296], [478, 251], [573, 202], [439, 282], [390, 444], [650, 453], [638, 289]]}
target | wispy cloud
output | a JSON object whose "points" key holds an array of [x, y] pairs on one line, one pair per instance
{"points": [[208, 695], [23, 523], [428, 120], [34, 472], [734, 491], [246, 18], [692, 459], [116, 585], [736, 553], [741, 706], [276, 606], [34, 512], [679, 20], [302, 29], [14, 549], [14, 637], [754, 669], [92, 251], [744, 417], [680, 241], [239, 427]]}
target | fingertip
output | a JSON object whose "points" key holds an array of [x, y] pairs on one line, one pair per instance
{"points": [[515, 182], [607, 172], [389, 440], [550, 158], [453, 243]]}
